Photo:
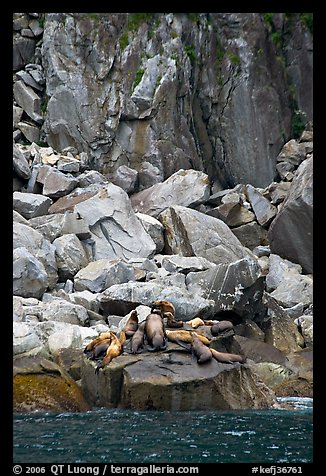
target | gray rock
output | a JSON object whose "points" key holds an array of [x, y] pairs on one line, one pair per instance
{"points": [[233, 214], [29, 80], [70, 256], [35, 27], [56, 184], [31, 205], [279, 270], [185, 187], [154, 228], [116, 231], [90, 177], [285, 170], [191, 233], [85, 298], [149, 175], [306, 326], [30, 278], [19, 218], [122, 298], [68, 164], [49, 225], [28, 100], [185, 264], [64, 311], [30, 131], [282, 332], [126, 178], [291, 233], [39, 247], [72, 223], [251, 235], [16, 115], [20, 164], [25, 340], [17, 308], [307, 136], [278, 191], [293, 291], [261, 206], [23, 51], [228, 285], [103, 273], [68, 202], [292, 152], [169, 382]]}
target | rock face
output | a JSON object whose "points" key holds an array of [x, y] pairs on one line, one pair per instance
{"points": [[291, 233], [157, 61]]}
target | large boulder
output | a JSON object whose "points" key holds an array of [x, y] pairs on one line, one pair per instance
{"points": [[170, 380], [121, 298], [40, 384], [291, 232], [31, 205], [70, 256], [115, 229], [185, 187], [25, 237], [103, 273], [234, 269], [192, 233], [30, 278]]}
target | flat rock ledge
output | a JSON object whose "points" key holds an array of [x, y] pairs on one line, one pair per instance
{"points": [[172, 380]]}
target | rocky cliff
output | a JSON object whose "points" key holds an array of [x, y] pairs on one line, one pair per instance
{"points": [[164, 156]]}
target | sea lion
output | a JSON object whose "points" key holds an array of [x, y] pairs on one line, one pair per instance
{"points": [[164, 306], [185, 336], [131, 325], [154, 330], [105, 336], [196, 322], [221, 326], [137, 339], [171, 321], [200, 350], [226, 357], [114, 349]]}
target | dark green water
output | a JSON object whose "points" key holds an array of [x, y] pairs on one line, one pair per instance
{"points": [[125, 436]]}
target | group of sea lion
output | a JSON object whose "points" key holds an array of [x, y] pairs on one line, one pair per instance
{"points": [[154, 333]]}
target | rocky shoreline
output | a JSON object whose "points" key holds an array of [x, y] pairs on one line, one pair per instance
{"points": [[95, 238], [79, 272]]}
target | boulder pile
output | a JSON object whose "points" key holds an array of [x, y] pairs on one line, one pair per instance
{"points": [[86, 254]]}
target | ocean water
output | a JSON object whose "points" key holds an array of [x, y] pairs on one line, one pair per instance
{"points": [[128, 436]]}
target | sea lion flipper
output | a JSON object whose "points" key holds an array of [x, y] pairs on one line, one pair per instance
{"points": [[183, 344], [97, 369]]}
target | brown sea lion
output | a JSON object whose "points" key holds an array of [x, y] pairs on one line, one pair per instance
{"points": [[185, 336], [200, 350], [154, 331], [105, 336], [171, 321], [137, 339], [196, 322], [131, 325], [164, 306], [114, 349], [226, 357], [221, 326]]}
